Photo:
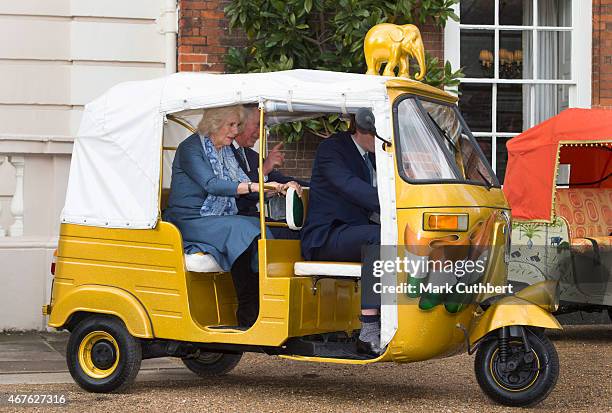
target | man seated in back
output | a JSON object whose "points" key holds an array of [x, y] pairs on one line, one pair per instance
{"points": [[343, 214], [248, 160]]}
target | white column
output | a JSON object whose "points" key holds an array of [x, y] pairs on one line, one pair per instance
{"points": [[452, 40], [167, 24], [581, 58], [2, 231], [16, 229]]}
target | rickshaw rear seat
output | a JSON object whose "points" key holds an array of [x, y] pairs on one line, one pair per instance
{"points": [[328, 269], [200, 262], [587, 212], [295, 210]]}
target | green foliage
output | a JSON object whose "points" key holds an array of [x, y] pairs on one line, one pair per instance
{"points": [[327, 35], [322, 127], [439, 75], [529, 229]]}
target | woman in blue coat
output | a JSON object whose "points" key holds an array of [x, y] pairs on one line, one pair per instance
{"points": [[206, 179]]}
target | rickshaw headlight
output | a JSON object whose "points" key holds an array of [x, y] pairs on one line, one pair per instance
{"points": [[445, 222]]}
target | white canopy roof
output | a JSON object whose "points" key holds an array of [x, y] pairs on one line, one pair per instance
{"points": [[115, 169]]}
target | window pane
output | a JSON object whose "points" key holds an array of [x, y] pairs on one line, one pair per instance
{"points": [[477, 53], [555, 13], [469, 162], [516, 12], [477, 12], [502, 158], [510, 108], [421, 154], [554, 55], [485, 146], [550, 100], [515, 60], [475, 106]]}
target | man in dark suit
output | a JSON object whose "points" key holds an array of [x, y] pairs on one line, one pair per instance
{"points": [[248, 160], [343, 214]]}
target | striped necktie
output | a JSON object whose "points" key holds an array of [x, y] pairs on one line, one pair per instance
{"points": [[366, 158], [244, 158]]}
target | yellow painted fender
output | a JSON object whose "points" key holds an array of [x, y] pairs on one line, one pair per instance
{"points": [[544, 294], [103, 300], [512, 311]]}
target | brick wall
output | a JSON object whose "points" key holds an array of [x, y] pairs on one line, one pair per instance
{"points": [[203, 40], [204, 36], [433, 39], [299, 156], [602, 53]]}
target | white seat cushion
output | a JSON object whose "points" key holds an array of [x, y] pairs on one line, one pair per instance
{"points": [[326, 268], [200, 262]]}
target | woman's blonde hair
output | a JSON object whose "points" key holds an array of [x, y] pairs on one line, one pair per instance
{"points": [[213, 119]]}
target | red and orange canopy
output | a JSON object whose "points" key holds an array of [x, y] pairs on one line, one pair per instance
{"points": [[579, 137]]}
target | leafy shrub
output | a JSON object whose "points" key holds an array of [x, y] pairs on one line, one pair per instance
{"points": [[326, 35]]}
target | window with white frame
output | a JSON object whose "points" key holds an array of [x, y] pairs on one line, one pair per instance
{"points": [[524, 62]]}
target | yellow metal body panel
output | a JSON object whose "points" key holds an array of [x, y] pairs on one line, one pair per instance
{"points": [[396, 87], [443, 195], [99, 299], [544, 294], [511, 311], [333, 307], [139, 276], [427, 333], [337, 361]]}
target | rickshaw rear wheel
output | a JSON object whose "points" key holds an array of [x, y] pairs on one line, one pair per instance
{"points": [[208, 364], [525, 378], [102, 355]]}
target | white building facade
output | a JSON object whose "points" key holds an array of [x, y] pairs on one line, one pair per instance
{"points": [[57, 56], [524, 60]]}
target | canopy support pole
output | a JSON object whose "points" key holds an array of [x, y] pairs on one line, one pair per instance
{"points": [[260, 176]]}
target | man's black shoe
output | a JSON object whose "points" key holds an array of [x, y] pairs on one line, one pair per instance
{"points": [[369, 348]]}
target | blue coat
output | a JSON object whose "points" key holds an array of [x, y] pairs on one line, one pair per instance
{"points": [[193, 177], [340, 191], [225, 237]]}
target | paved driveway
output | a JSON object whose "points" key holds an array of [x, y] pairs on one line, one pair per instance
{"points": [[263, 383]]}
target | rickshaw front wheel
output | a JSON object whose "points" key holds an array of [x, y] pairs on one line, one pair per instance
{"points": [[208, 364], [102, 355], [512, 375]]}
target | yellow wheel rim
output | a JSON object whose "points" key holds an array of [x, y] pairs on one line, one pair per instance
{"points": [[86, 356], [528, 385]]}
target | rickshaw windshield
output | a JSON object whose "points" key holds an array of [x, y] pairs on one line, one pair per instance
{"points": [[436, 145]]}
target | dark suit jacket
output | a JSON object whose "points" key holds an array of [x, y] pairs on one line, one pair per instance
{"points": [[340, 191], [247, 204]]}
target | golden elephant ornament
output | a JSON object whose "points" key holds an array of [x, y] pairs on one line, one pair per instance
{"points": [[394, 45]]}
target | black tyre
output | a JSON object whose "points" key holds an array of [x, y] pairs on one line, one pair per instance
{"points": [[212, 364], [102, 355], [526, 378]]}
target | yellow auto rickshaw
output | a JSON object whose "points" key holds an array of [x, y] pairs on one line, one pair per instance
{"points": [[126, 291]]}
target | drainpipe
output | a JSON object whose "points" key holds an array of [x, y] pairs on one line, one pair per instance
{"points": [[167, 24]]}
